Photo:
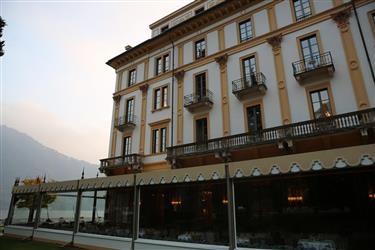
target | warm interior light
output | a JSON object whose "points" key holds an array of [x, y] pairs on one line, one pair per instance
{"points": [[371, 196], [224, 201], [175, 203], [295, 198]]}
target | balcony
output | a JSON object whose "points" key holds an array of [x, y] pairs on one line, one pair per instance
{"points": [[125, 123], [325, 133], [198, 102], [121, 164], [314, 67], [249, 86]]}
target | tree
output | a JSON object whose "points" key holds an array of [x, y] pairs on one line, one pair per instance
{"points": [[30, 200], [2, 43]]}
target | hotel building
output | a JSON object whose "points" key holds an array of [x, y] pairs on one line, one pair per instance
{"points": [[241, 124]]}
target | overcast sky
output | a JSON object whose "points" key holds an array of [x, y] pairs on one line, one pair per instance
{"points": [[55, 85]]}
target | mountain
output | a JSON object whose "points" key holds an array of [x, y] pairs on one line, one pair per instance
{"points": [[22, 156]]}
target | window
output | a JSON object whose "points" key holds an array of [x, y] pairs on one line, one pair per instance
{"points": [[198, 11], [200, 86], [129, 114], [310, 52], [200, 49], [321, 104], [246, 30], [164, 28], [254, 118], [161, 97], [249, 70], [159, 140], [127, 150], [302, 9], [132, 77], [201, 133], [162, 64]]}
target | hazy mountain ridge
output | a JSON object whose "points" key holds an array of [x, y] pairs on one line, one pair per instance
{"points": [[22, 156]]}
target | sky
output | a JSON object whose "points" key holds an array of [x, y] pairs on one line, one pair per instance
{"points": [[55, 85]]}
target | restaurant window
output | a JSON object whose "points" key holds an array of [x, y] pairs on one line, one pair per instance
{"points": [[107, 212], [162, 64], [321, 104], [129, 114], [159, 140], [132, 77], [326, 211], [58, 210], [160, 98], [246, 30], [254, 118], [25, 208], [200, 48], [194, 212], [201, 131], [127, 145], [302, 9]]}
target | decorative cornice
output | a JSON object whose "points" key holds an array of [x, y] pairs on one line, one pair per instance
{"points": [[179, 75], [222, 60], [342, 18], [144, 88], [116, 98], [275, 41]]}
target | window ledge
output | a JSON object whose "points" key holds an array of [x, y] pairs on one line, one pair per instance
{"points": [[160, 109]]}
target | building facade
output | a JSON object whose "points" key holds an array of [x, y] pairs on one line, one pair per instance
{"points": [[238, 124]]}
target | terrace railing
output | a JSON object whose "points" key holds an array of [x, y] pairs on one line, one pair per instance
{"points": [[250, 85], [126, 121], [198, 98], [132, 161], [344, 122], [313, 63]]}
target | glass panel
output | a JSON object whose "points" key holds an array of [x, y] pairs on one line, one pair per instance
{"points": [[107, 212], [158, 66], [200, 49], [155, 140], [200, 82], [201, 130], [166, 62], [157, 101], [245, 30], [334, 211], [58, 211], [127, 145], [132, 77], [254, 119], [163, 139], [25, 209], [129, 110], [321, 103], [196, 212], [165, 96]]}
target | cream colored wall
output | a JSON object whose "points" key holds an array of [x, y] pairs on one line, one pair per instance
{"points": [[261, 24]]}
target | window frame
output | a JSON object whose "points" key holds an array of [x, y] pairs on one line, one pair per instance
{"points": [[371, 16], [198, 117], [318, 39], [241, 20], [316, 87], [130, 144], [162, 64], [195, 42], [158, 126], [294, 14], [251, 30], [130, 78], [262, 114], [162, 99], [126, 108]]}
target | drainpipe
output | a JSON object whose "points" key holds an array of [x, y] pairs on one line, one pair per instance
{"points": [[363, 41]]}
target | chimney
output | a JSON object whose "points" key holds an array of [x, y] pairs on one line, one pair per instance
{"points": [[128, 47]]}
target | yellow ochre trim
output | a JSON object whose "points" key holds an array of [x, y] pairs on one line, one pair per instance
{"points": [[180, 107], [222, 61], [272, 18], [143, 123], [221, 36]]}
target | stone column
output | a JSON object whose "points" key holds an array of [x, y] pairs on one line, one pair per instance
{"points": [[275, 42], [144, 89], [342, 20], [116, 99], [180, 106], [222, 61]]}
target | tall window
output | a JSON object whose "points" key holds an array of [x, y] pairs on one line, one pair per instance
{"points": [[302, 9], [254, 118], [132, 77], [321, 105], [201, 133], [310, 52], [161, 97], [200, 48], [129, 115], [162, 64], [159, 140], [200, 85], [127, 146], [246, 31], [249, 70]]}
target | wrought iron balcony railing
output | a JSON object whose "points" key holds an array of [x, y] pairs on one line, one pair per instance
{"points": [[194, 101], [355, 120], [131, 162], [124, 122], [253, 84], [313, 63]]}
